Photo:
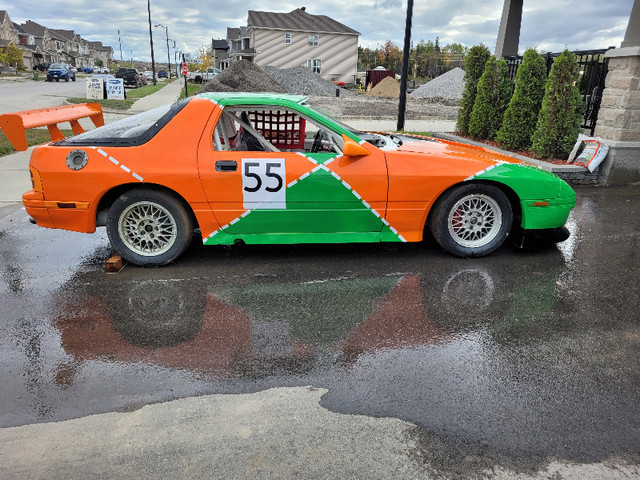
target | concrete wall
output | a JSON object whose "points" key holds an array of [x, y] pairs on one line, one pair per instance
{"points": [[338, 53]]}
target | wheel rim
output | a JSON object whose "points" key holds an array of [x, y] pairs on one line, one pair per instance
{"points": [[475, 220], [147, 229]]}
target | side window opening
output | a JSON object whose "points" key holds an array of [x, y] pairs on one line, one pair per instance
{"points": [[275, 129]]}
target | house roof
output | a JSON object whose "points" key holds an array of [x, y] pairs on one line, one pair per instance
{"points": [[19, 28], [298, 20], [68, 35], [233, 33], [34, 28], [220, 44], [2, 15]]}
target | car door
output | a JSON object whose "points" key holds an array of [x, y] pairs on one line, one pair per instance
{"points": [[287, 195]]}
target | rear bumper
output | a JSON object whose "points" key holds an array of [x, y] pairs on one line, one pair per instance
{"points": [[65, 215]]}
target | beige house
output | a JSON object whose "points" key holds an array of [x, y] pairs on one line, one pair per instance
{"points": [[297, 38]]}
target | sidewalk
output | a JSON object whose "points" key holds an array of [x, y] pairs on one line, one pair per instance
{"points": [[168, 94]]}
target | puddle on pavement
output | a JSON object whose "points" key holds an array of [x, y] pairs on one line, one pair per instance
{"points": [[516, 353]]}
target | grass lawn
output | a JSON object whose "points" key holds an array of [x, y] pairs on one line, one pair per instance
{"points": [[132, 95], [420, 134], [193, 88], [34, 137]]}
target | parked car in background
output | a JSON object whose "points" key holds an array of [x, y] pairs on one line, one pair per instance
{"points": [[87, 70], [148, 74], [130, 76], [202, 76], [59, 71], [162, 74], [42, 67]]}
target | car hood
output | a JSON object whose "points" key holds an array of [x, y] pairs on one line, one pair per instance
{"points": [[445, 148]]}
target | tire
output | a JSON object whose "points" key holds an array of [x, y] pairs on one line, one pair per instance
{"points": [[73, 79], [149, 228], [471, 220]]}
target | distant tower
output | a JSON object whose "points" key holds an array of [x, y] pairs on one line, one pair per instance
{"points": [[509, 31]]}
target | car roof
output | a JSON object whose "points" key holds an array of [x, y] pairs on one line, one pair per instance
{"points": [[231, 98]]}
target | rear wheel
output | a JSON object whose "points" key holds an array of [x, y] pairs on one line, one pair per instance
{"points": [[149, 228], [472, 220]]}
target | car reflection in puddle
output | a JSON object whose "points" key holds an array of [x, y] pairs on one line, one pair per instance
{"points": [[474, 352]]}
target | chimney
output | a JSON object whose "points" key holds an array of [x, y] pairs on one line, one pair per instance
{"points": [[304, 9]]}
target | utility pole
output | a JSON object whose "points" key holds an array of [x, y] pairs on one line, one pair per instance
{"points": [[405, 68], [120, 42], [166, 31], [153, 61]]}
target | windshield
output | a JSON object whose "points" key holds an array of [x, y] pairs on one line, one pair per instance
{"points": [[132, 130], [56, 65]]}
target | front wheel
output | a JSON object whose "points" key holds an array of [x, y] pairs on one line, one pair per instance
{"points": [[472, 220], [149, 228]]}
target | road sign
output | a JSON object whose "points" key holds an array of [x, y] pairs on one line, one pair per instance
{"points": [[185, 70]]}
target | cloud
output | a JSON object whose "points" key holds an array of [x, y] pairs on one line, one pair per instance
{"points": [[547, 24]]}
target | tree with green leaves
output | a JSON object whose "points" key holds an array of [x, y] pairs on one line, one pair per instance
{"points": [[474, 67], [492, 99], [521, 116], [561, 113], [13, 56]]}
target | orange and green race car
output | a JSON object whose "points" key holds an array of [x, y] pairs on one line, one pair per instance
{"points": [[265, 168]]}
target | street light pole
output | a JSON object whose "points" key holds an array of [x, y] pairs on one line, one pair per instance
{"points": [[166, 31], [153, 61]]}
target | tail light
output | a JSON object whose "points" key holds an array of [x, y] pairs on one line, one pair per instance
{"points": [[36, 181]]}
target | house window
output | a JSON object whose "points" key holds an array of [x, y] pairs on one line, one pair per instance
{"points": [[313, 40], [314, 65], [287, 38]]}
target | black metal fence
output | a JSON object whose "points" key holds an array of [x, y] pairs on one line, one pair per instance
{"points": [[593, 70]]}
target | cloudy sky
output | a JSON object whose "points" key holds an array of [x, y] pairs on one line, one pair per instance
{"points": [[548, 25]]}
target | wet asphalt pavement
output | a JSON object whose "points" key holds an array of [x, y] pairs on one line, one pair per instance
{"points": [[511, 359]]}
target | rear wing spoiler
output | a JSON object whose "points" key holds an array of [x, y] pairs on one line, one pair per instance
{"points": [[15, 125]]}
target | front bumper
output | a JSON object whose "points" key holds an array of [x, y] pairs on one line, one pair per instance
{"points": [[539, 237]]}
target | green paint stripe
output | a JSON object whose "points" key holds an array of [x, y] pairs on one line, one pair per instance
{"points": [[303, 196]]}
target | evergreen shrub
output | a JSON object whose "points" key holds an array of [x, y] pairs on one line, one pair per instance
{"points": [[561, 113], [474, 67], [521, 116]]}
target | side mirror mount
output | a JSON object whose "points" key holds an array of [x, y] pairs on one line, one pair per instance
{"points": [[353, 149]]}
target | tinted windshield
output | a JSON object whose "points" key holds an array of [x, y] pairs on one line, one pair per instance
{"points": [[57, 65]]}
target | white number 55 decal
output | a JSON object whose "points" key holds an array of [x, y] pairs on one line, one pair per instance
{"points": [[263, 183]]}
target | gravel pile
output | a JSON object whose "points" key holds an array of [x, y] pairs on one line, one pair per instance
{"points": [[302, 81], [448, 85], [378, 108], [243, 76], [387, 87]]}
